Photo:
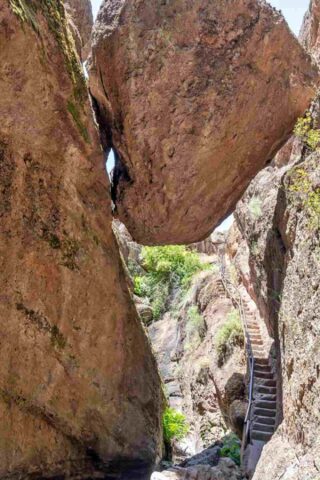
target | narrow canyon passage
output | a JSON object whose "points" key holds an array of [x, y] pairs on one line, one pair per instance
{"points": [[142, 337]]}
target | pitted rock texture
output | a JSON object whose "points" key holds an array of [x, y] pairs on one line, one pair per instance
{"points": [[79, 390], [195, 97], [310, 31], [282, 240], [80, 12]]}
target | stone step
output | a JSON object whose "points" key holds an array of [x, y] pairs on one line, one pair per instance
{"points": [[259, 348], [259, 354], [255, 336], [266, 375], [252, 332], [268, 390], [268, 398], [264, 412], [266, 421], [267, 383], [262, 368], [256, 342], [262, 436], [262, 361], [266, 404], [263, 428]]}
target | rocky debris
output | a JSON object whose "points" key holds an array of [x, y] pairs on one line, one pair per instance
{"points": [[209, 456], [225, 470], [183, 136], [81, 19], [79, 389]]}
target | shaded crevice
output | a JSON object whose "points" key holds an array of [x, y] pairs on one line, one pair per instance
{"points": [[275, 265], [120, 171], [119, 175]]}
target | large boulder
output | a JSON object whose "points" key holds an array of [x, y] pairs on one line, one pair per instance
{"points": [[195, 98], [79, 390]]}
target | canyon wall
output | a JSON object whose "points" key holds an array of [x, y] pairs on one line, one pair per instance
{"points": [[79, 390], [278, 258], [181, 90], [282, 239], [81, 23]]}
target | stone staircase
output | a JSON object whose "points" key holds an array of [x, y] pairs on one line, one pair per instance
{"points": [[264, 409]]}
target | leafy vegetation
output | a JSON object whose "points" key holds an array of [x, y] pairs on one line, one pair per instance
{"points": [[174, 425], [231, 448], [228, 336], [255, 207], [305, 130], [302, 192], [166, 268], [195, 328]]}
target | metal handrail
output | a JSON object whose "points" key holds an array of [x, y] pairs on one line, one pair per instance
{"points": [[235, 295]]}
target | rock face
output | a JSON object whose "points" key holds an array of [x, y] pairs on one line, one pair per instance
{"points": [[79, 390], [80, 12], [195, 98], [310, 31], [279, 220], [225, 470]]}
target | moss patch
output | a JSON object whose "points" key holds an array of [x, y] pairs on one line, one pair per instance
{"points": [[41, 322], [75, 113], [70, 249], [57, 338], [25, 12], [54, 13], [302, 193]]}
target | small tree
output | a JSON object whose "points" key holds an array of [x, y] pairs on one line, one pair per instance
{"points": [[175, 427]]}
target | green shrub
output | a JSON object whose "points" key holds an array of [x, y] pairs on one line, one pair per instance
{"points": [[228, 336], [302, 192], [195, 328], [174, 425], [166, 268], [305, 131], [174, 260], [255, 207], [231, 448]]}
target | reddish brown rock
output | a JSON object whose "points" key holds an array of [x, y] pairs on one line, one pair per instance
{"points": [[310, 31], [199, 96], [79, 389], [80, 12]]}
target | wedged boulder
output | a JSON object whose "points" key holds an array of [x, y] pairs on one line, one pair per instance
{"points": [[79, 390], [195, 98], [80, 12]]}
